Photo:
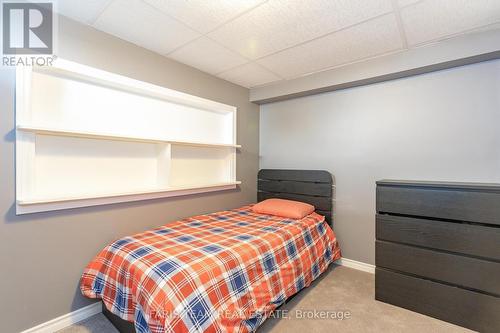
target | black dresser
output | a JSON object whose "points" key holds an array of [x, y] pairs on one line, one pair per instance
{"points": [[438, 250]]}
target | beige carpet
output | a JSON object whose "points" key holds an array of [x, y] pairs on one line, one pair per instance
{"points": [[339, 292]]}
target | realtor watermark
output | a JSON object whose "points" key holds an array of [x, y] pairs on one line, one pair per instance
{"points": [[282, 314], [311, 314], [28, 33], [316, 314]]}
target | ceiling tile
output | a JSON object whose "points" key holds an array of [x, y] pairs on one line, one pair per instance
{"points": [[404, 3], [83, 11], [249, 75], [435, 19], [368, 39], [139, 23], [203, 15], [278, 24], [207, 56]]}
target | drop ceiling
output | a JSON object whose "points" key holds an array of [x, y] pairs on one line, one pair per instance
{"points": [[256, 42]]}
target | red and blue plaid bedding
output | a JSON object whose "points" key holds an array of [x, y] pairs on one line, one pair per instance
{"points": [[221, 272]]}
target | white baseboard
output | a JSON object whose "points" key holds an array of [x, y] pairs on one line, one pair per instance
{"points": [[356, 265], [66, 320]]}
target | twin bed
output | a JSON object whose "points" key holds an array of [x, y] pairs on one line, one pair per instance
{"points": [[219, 272]]}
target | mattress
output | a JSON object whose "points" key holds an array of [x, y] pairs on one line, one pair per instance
{"points": [[220, 272]]}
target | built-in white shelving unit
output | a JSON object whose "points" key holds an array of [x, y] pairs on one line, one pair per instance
{"points": [[88, 137]]}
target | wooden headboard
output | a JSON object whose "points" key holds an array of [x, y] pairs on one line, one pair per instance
{"points": [[314, 187]]}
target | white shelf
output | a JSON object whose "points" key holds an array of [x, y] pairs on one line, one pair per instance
{"points": [[78, 72], [103, 136], [173, 191], [28, 206]]}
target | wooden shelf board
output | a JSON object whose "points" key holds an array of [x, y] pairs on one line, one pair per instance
{"points": [[39, 201], [101, 136]]}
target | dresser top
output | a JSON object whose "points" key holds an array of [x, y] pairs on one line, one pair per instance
{"points": [[439, 184]]}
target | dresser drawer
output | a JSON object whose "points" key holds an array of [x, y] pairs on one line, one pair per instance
{"points": [[463, 307], [470, 203], [463, 238], [446, 267]]}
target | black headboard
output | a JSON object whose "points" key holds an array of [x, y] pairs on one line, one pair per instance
{"points": [[311, 186]]}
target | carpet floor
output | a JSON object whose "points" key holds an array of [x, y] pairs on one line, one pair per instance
{"points": [[341, 300]]}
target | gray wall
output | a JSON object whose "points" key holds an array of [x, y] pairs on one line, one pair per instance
{"points": [[42, 255], [438, 126]]}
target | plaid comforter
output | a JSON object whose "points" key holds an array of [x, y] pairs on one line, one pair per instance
{"points": [[221, 272]]}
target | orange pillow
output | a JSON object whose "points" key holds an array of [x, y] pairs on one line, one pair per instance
{"points": [[284, 208]]}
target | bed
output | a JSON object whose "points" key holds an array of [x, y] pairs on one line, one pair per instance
{"points": [[219, 272]]}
